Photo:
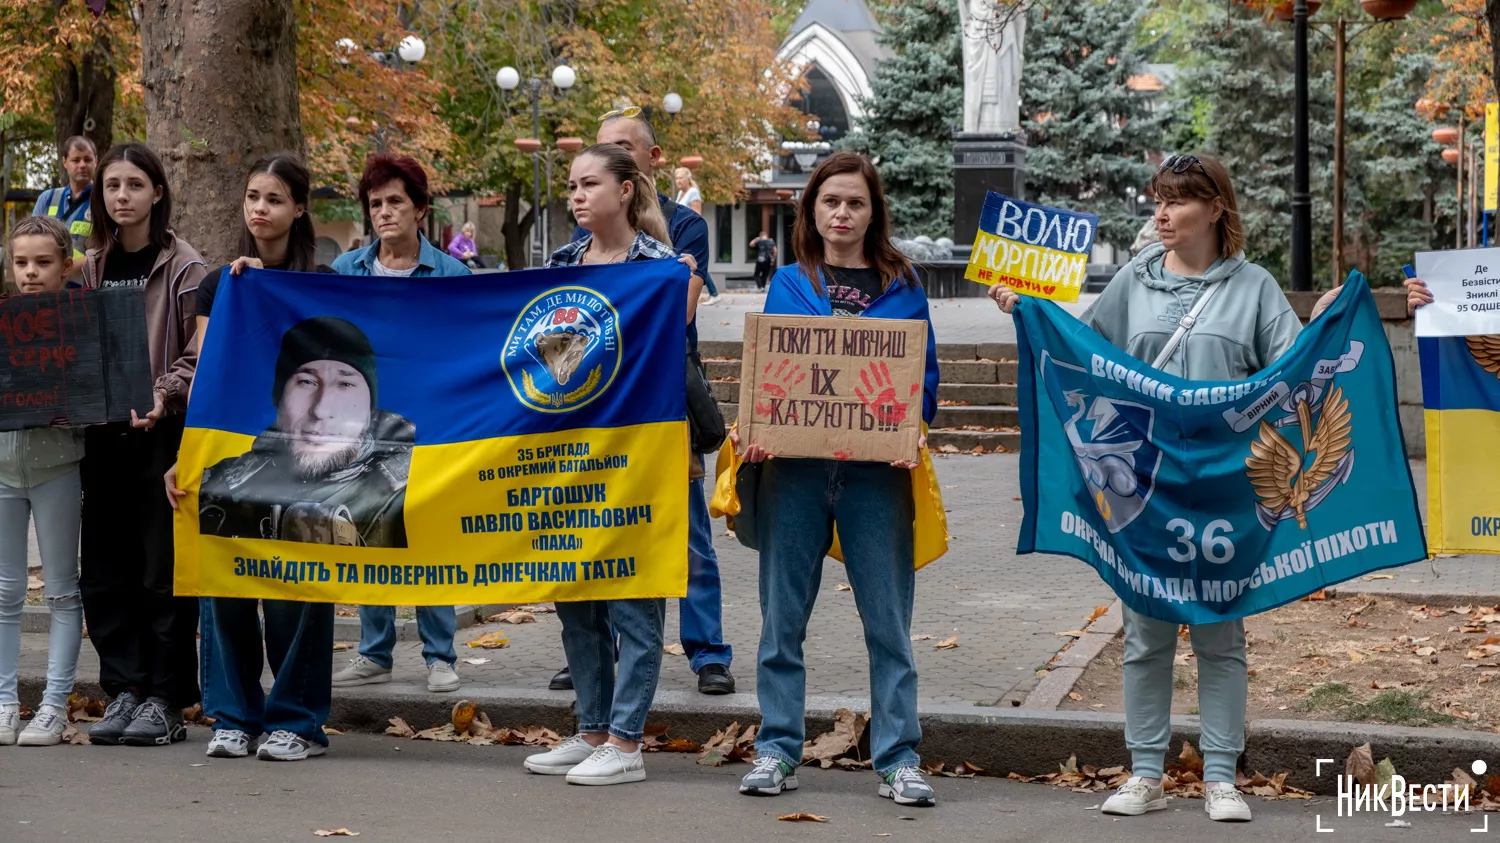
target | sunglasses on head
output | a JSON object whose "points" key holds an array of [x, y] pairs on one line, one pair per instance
{"points": [[1180, 164], [632, 111]]}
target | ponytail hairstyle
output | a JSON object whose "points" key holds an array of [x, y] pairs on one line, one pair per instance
{"points": [[301, 244], [644, 212], [104, 236]]}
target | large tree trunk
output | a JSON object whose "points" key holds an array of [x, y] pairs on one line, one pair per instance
{"points": [[83, 97], [221, 91], [516, 230]]}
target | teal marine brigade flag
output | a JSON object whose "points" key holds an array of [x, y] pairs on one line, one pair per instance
{"points": [[1204, 501]]}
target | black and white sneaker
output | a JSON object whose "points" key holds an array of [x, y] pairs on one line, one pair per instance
{"points": [[907, 787], [111, 727], [155, 724], [769, 777]]}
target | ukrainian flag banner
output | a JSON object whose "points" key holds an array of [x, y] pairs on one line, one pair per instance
{"points": [[1205, 501], [511, 438], [1461, 405]]}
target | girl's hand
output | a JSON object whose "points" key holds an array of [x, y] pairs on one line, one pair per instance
{"points": [[174, 494], [150, 419], [1324, 301], [754, 453], [1417, 294], [241, 263], [921, 443], [1005, 298]]}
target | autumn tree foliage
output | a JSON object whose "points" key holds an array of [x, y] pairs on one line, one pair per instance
{"points": [[1464, 76]]}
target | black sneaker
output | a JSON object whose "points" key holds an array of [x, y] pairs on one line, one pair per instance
{"points": [[715, 679], [155, 724], [116, 719], [563, 681]]}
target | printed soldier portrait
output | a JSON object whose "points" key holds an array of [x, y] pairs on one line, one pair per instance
{"points": [[333, 467]]}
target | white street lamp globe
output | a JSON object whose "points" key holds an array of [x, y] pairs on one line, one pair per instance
{"points": [[346, 44], [671, 103], [412, 49], [563, 77], [508, 78]]}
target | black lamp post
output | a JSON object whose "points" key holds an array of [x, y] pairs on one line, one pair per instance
{"points": [[1301, 195]]}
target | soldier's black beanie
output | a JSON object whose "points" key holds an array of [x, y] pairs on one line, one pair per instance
{"points": [[324, 338]]}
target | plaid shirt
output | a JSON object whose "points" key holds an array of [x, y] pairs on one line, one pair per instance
{"points": [[644, 248]]}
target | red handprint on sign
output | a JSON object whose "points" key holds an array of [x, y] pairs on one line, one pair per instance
{"points": [[788, 375], [879, 395]]}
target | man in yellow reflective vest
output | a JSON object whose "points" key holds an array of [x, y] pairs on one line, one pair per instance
{"points": [[70, 203]]}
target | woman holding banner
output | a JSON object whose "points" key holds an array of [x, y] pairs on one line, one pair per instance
{"points": [[883, 521], [617, 205], [1232, 320]]}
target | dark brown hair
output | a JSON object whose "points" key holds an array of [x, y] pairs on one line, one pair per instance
{"points": [[880, 253], [75, 141], [301, 244], [104, 236], [383, 168], [644, 212], [1205, 179]]}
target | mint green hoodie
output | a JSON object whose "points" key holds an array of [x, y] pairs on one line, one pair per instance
{"points": [[1246, 325]]}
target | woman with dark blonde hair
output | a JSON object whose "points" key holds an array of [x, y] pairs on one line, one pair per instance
{"points": [[1190, 305], [883, 520]]}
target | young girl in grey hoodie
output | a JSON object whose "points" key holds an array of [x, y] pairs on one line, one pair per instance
{"points": [[1245, 325]]}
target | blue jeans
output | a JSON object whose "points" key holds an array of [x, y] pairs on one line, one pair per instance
{"points": [[435, 625], [702, 610], [297, 639], [605, 702], [54, 506], [798, 502]]}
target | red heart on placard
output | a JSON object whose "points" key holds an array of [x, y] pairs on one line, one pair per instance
{"points": [[1049, 289]]}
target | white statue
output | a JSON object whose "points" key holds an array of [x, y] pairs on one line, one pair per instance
{"points": [[992, 73]]}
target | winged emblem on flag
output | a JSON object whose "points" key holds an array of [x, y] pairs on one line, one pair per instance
{"points": [[1288, 484], [1486, 351]]}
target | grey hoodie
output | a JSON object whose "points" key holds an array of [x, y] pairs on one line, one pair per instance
{"points": [[1246, 325]]}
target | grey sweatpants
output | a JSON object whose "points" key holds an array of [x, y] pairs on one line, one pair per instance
{"points": [[54, 506]]}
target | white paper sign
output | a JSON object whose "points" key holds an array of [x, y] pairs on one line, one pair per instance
{"points": [[1465, 285]]}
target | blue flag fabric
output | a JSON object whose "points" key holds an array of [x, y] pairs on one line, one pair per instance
{"points": [[1205, 501]]}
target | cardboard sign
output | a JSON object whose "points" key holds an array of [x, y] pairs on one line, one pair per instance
{"points": [[1032, 249], [832, 387], [78, 355], [1465, 285]]}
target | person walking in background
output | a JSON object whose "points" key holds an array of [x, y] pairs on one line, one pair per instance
{"points": [[39, 482], [688, 194], [765, 258], [394, 193], [145, 636], [70, 203], [277, 233], [462, 247]]}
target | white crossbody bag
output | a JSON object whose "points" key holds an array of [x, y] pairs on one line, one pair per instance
{"points": [[1186, 323]]}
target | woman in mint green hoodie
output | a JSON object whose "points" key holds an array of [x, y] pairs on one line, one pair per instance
{"points": [[1245, 324]]}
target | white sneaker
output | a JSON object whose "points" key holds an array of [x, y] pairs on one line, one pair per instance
{"points": [[558, 760], [609, 765], [1224, 803], [288, 746], [228, 743], [361, 671], [441, 677], [1135, 797], [46, 728], [10, 723]]}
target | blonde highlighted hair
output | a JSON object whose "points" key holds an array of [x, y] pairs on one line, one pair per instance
{"points": [[644, 212], [42, 227]]}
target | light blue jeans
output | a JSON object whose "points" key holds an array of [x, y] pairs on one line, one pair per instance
{"points": [[1223, 686], [798, 501], [606, 702], [55, 506], [436, 626]]}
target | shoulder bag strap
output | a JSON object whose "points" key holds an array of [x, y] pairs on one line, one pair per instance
{"points": [[1185, 324]]}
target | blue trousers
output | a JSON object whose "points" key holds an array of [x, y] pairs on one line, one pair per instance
{"points": [[436, 626], [702, 610], [297, 639], [606, 702]]}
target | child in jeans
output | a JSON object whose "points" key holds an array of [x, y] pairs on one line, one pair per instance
{"points": [[39, 479]]}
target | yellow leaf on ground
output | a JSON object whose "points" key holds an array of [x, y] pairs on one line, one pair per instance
{"points": [[802, 818], [342, 645], [1097, 613], [1075, 696], [674, 650], [463, 715], [949, 643], [1072, 633], [921, 638], [399, 728], [491, 640], [843, 586], [513, 616]]}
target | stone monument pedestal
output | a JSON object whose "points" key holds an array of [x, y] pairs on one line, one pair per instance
{"points": [[983, 162]]}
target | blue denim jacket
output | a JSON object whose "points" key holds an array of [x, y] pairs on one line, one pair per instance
{"points": [[431, 262]]}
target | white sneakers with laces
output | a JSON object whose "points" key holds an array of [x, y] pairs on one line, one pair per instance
{"points": [[1135, 797], [609, 764], [441, 677], [288, 746], [46, 728], [558, 760], [1224, 803], [228, 743], [10, 723]]}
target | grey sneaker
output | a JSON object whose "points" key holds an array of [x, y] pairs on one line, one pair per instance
{"points": [[46, 728], [228, 743], [441, 677], [288, 746], [907, 787], [361, 671], [155, 724], [111, 727], [558, 760], [769, 777], [1135, 797], [10, 723]]}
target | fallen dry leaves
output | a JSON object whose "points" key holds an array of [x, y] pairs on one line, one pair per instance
{"points": [[477, 731], [802, 818], [728, 744], [963, 770], [81, 709], [335, 832], [674, 650], [516, 615], [843, 586], [342, 645], [491, 640], [1182, 779], [841, 746], [949, 643], [656, 740]]}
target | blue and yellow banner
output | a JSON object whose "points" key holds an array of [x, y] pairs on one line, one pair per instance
{"points": [[1461, 406], [1033, 249], [1204, 501], [516, 437]]}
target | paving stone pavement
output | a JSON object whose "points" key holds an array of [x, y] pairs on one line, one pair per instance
{"points": [[1004, 609]]}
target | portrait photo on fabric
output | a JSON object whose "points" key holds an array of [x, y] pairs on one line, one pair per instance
{"points": [[333, 467]]}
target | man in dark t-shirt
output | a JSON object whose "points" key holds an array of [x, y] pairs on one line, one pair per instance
{"points": [[765, 259]]}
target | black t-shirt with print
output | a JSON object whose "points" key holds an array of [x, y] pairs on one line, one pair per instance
{"points": [[129, 269], [850, 291], [209, 289], [764, 249]]}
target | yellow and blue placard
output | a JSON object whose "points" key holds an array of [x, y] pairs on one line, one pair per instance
{"points": [[1035, 250], [436, 441], [1461, 406]]}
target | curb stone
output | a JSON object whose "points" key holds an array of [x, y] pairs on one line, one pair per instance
{"points": [[39, 618], [1068, 665]]}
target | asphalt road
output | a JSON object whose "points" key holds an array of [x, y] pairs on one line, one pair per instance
{"points": [[400, 790]]}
